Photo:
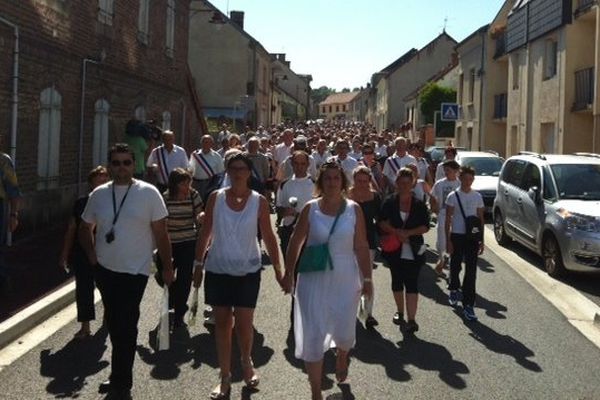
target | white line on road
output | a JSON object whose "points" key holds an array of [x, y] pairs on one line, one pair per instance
{"points": [[580, 311]]}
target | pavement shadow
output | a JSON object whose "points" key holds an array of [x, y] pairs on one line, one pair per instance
{"points": [[502, 344], [492, 309], [70, 366], [344, 394], [485, 266], [372, 348], [198, 350]]}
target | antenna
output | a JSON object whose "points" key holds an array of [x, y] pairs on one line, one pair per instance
{"points": [[445, 24]]}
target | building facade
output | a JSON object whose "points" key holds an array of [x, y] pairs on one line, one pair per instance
{"points": [[84, 70], [337, 106], [231, 69], [293, 91]]}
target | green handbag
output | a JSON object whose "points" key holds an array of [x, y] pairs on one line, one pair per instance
{"points": [[317, 257]]}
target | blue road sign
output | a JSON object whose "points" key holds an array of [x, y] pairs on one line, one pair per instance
{"points": [[449, 112]]}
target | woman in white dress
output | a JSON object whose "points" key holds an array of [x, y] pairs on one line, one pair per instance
{"points": [[327, 301]]}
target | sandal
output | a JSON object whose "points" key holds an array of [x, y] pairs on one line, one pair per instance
{"points": [[251, 379], [218, 393]]}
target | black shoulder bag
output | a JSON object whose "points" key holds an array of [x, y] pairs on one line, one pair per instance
{"points": [[473, 226]]}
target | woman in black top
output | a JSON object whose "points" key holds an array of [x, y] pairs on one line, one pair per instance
{"points": [[406, 218], [73, 254], [370, 203]]}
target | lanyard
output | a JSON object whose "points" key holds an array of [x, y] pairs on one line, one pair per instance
{"points": [[114, 201]]}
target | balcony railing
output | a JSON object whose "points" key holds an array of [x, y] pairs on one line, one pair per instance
{"points": [[500, 45], [500, 106], [584, 89]]}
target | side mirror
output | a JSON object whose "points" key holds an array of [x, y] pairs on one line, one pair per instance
{"points": [[534, 194]]}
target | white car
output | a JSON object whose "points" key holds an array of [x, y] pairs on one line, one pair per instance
{"points": [[487, 166]]}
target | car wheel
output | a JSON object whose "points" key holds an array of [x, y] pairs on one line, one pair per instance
{"points": [[553, 262], [499, 231]]}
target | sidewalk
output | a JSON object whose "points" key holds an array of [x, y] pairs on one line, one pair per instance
{"points": [[32, 268]]}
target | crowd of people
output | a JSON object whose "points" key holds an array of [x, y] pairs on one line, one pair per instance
{"points": [[341, 192]]}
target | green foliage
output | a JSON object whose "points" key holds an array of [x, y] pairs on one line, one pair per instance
{"points": [[346, 90], [320, 94], [432, 97]]}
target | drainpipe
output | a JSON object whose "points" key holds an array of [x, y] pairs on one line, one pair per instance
{"points": [[15, 92], [481, 87], [183, 111], [81, 118]]}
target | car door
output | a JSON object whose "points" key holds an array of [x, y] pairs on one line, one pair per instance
{"points": [[530, 213], [508, 192]]}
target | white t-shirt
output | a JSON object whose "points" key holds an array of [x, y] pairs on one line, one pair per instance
{"points": [[441, 189], [205, 165], [320, 159], [407, 253], [286, 170], [394, 163], [348, 164], [423, 167], [301, 188], [281, 152], [131, 250], [470, 201], [167, 161]]}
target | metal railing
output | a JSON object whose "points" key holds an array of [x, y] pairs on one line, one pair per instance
{"points": [[584, 89], [500, 106]]}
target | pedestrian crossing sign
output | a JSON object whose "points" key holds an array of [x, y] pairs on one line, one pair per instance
{"points": [[449, 112]]}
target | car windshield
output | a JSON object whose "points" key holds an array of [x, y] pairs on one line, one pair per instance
{"points": [[485, 166], [577, 181]]}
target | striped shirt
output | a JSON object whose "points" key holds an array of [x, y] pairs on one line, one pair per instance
{"points": [[181, 221]]}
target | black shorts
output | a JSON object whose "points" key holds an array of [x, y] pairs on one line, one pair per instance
{"points": [[405, 275], [223, 290]]}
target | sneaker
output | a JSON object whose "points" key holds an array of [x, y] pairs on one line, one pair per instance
{"points": [[411, 326], [453, 298], [469, 313], [398, 318]]}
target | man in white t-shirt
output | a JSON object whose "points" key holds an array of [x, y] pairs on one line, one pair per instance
{"points": [[460, 205], [321, 154], [284, 149], [206, 166], [398, 161], [165, 158], [128, 216], [341, 157], [440, 191]]}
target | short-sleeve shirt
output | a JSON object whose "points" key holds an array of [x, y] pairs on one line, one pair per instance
{"points": [[181, 222], [205, 165], [167, 161], [470, 201], [131, 250], [301, 188], [441, 189], [394, 163], [138, 145]]}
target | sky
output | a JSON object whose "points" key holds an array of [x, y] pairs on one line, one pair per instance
{"points": [[341, 43]]}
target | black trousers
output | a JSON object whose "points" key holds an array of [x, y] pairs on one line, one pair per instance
{"points": [[285, 233], [121, 295], [183, 262], [467, 251], [84, 289]]}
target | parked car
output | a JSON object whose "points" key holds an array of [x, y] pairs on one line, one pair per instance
{"points": [[551, 204], [487, 166]]}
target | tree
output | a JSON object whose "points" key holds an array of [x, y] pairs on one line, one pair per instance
{"points": [[346, 90], [432, 97], [320, 94]]}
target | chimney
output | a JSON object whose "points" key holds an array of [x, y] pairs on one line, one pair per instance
{"points": [[237, 17]]}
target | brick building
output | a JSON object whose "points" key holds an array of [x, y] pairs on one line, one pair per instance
{"points": [[108, 61]]}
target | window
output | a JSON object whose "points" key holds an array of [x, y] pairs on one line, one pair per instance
{"points": [[140, 113], [49, 138], [472, 85], [344, 109], [549, 192], [170, 34], [143, 15], [337, 108], [324, 109], [105, 11], [166, 121], [513, 172], [550, 59], [330, 108], [100, 143], [531, 178]]}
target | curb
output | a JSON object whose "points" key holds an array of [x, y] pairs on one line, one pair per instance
{"points": [[41, 310]]}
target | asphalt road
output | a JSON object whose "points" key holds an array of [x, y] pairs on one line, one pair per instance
{"points": [[521, 348]]}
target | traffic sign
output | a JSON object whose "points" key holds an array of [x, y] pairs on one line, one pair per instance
{"points": [[449, 112]]}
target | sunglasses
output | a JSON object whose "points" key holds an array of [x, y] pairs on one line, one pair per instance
{"points": [[118, 163]]}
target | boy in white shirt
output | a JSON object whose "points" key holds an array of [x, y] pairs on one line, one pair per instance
{"points": [[440, 191]]}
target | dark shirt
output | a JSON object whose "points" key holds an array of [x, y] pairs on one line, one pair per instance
{"points": [[418, 216], [78, 255], [370, 211]]}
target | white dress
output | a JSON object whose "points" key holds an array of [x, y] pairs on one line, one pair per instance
{"points": [[327, 301]]}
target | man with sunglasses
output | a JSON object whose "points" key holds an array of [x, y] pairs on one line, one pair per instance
{"points": [[127, 215]]}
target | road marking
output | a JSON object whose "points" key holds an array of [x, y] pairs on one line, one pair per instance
{"points": [[39, 334], [580, 311]]}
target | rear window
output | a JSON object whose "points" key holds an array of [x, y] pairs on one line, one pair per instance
{"points": [[486, 166], [577, 181]]}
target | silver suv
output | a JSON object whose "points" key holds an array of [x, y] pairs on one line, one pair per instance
{"points": [[550, 203]]}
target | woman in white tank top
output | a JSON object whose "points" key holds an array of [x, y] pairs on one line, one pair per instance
{"points": [[233, 266]]}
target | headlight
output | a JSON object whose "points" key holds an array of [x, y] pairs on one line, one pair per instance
{"points": [[580, 222]]}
